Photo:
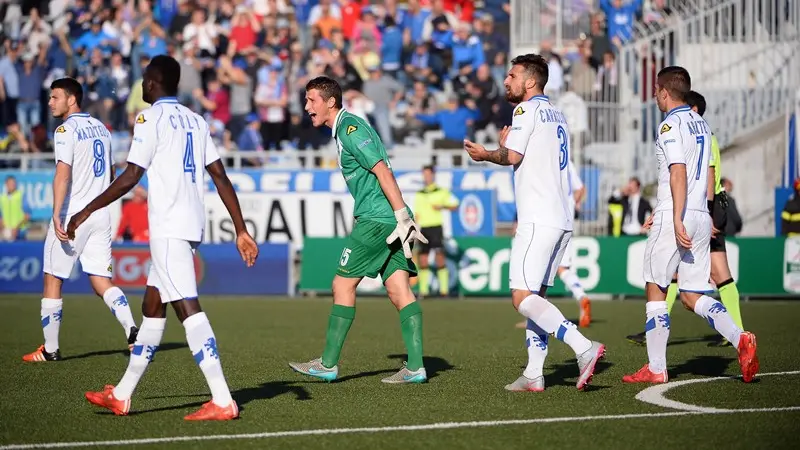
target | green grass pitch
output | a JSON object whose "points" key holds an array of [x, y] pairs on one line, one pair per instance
{"points": [[472, 351]]}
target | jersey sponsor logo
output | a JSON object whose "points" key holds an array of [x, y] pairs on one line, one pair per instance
{"points": [[519, 111], [350, 129], [665, 128], [364, 144], [140, 119], [471, 213], [61, 129]]}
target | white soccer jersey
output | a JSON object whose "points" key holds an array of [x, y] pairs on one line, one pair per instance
{"points": [[174, 145], [684, 138], [574, 184], [84, 143], [539, 132]]}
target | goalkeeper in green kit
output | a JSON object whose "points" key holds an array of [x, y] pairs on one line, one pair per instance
{"points": [[381, 240]]}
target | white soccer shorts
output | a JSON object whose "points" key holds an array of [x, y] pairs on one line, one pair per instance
{"points": [[92, 246], [536, 252], [172, 268], [663, 257], [566, 261]]}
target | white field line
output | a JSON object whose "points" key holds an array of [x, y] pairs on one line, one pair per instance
{"points": [[432, 426], [655, 394]]}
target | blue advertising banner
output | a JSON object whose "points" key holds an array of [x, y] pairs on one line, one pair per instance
{"points": [[38, 189], [475, 216], [219, 270]]}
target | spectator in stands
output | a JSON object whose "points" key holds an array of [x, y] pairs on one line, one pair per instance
{"points": [[392, 50], [734, 224], [555, 80], [271, 98], [327, 19], [456, 123], [94, 38], [500, 70], [790, 216], [438, 25], [493, 41], [199, 34], [120, 30], [240, 87], [15, 213], [486, 94], [217, 104], [600, 43], [133, 219], [149, 36], [31, 76], [9, 93], [251, 140], [244, 30], [583, 76], [36, 32], [418, 101], [422, 67], [415, 20], [620, 17], [384, 92], [635, 209], [467, 52]]}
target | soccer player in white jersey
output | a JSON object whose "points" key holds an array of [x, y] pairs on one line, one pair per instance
{"points": [[537, 146], [575, 192], [680, 234], [82, 147], [173, 145]]}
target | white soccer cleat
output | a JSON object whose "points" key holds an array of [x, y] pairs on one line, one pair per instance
{"points": [[525, 384], [587, 362]]}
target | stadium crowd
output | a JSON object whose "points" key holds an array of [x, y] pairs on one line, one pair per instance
{"points": [[408, 65]]}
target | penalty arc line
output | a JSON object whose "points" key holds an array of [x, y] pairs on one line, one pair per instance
{"points": [[655, 394], [423, 427]]}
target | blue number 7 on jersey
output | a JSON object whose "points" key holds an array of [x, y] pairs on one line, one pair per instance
{"points": [[701, 142], [188, 157]]}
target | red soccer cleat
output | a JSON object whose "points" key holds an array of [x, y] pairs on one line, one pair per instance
{"points": [[586, 313], [211, 411], [42, 355], [106, 399], [748, 360], [644, 375]]}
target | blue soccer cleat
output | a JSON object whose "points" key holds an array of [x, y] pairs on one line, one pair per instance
{"points": [[314, 368]]}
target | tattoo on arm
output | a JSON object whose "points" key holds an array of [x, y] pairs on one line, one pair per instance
{"points": [[499, 156]]}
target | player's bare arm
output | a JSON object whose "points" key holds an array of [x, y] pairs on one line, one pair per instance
{"points": [[677, 184], [118, 188], [60, 185], [503, 156], [244, 242]]}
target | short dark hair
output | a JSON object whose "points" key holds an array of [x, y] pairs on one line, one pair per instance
{"points": [[327, 88], [168, 71], [676, 81], [694, 99], [535, 65], [70, 86], [637, 181], [429, 167]]}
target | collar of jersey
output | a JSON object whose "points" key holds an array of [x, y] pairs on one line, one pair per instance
{"points": [[539, 97], [336, 121], [78, 114], [678, 109], [166, 100]]}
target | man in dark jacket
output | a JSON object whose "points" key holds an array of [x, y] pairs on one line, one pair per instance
{"points": [[734, 223]]}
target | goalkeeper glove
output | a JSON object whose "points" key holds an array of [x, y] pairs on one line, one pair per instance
{"points": [[406, 231]]}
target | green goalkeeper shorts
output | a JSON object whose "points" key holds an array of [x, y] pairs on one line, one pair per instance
{"points": [[367, 254]]}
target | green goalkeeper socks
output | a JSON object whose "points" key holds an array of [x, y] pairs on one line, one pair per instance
{"points": [[729, 294], [411, 326], [338, 325], [672, 294]]}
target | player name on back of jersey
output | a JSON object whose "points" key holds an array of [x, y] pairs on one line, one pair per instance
{"points": [[92, 132], [698, 127], [549, 115], [185, 122]]}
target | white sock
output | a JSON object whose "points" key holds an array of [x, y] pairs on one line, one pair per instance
{"points": [[656, 329], [203, 345], [719, 319], [144, 349], [536, 341], [550, 319], [118, 304], [51, 322], [572, 283]]}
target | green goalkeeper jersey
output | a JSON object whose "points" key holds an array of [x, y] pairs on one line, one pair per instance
{"points": [[360, 149]]}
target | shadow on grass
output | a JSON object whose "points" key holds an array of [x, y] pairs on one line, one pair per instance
{"points": [[566, 374], [124, 351], [710, 366], [433, 366]]}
